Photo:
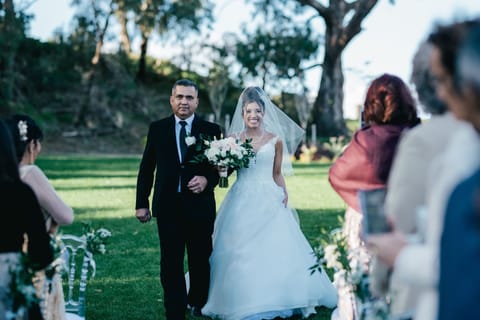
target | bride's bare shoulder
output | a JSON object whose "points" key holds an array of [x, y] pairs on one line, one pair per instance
{"points": [[269, 135]]}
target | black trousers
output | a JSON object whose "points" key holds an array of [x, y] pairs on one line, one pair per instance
{"points": [[185, 225]]}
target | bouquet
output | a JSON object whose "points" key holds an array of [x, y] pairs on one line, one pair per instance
{"points": [[229, 153]]}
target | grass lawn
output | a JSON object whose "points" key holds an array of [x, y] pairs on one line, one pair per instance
{"points": [[101, 189]]}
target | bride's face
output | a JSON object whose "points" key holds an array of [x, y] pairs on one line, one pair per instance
{"points": [[252, 115]]}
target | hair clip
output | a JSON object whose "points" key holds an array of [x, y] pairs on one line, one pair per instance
{"points": [[22, 130]]}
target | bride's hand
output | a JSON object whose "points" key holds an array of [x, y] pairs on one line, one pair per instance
{"points": [[285, 199], [222, 170]]}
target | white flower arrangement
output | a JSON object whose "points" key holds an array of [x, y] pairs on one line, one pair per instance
{"points": [[229, 153], [22, 130], [190, 140], [350, 274], [96, 239], [22, 291]]}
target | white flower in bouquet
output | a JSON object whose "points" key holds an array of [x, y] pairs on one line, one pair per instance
{"points": [[190, 140], [331, 257], [104, 233], [229, 153]]}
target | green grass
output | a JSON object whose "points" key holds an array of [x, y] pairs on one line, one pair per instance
{"points": [[101, 189]]}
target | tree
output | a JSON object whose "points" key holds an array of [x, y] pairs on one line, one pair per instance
{"points": [[96, 14], [13, 21], [273, 52], [122, 10], [342, 20], [168, 17], [218, 83]]}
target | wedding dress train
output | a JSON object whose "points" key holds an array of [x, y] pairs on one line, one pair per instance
{"points": [[261, 259]]}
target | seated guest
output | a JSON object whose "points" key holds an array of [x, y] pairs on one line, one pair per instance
{"points": [[21, 215], [459, 283]]}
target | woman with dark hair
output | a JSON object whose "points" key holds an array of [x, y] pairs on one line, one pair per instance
{"points": [[22, 215], [27, 137], [388, 111]]}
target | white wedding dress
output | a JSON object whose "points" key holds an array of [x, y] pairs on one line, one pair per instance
{"points": [[261, 259]]}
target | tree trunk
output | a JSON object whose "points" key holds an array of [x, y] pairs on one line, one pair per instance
{"points": [[124, 37], [142, 63], [328, 106], [343, 22]]}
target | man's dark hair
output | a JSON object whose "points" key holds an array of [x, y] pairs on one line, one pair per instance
{"points": [[185, 83]]}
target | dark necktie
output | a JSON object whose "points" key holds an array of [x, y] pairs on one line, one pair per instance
{"points": [[183, 143]]}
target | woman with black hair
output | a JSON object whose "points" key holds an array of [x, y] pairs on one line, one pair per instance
{"points": [[27, 137], [21, 215]]}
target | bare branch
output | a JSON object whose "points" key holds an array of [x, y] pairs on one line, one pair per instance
{"points": [[362, 9], [320, 8]]}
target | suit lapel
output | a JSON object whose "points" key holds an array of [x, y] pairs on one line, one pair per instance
{"points": [[171, 137], [196, 127], [196, 124]]}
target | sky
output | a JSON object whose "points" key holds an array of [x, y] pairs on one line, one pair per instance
{"points": [[387, 44]]}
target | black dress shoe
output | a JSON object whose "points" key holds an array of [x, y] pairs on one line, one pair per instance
{"points": [[197, 312]]}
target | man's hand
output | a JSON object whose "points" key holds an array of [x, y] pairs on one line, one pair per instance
{"points": [[143, 215], [197, 184]]}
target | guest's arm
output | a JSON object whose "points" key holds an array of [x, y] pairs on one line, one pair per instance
{"points": [[48, 198]]}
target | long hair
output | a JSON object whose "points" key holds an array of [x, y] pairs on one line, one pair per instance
{"points": [[8, 158], [23, 130], [389, 101]]}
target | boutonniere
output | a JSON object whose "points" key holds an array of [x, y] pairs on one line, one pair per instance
{"points": [[190, 140]]}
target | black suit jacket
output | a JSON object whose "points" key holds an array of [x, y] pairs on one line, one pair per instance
{"points": [[161, 156]]}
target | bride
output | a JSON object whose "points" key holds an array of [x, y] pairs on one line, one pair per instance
{"points": [[261, 259]]}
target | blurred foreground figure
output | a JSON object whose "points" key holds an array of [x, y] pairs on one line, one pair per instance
{"points": [[459, 289]]}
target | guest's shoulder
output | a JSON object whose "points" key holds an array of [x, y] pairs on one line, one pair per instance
{"points": [[31, 170]]}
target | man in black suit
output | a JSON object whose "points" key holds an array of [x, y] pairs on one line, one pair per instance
{"points": [[183, 200]]}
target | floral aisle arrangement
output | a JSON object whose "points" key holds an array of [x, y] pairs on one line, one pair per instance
{"points": [[350, 275], [229, 153], [96, 239], [22, 290]]}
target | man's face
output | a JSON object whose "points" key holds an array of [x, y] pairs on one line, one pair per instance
{"points": [[184, 101], [444, 84]]}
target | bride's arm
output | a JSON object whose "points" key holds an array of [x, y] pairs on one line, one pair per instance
{"points": [[277, 169]]}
